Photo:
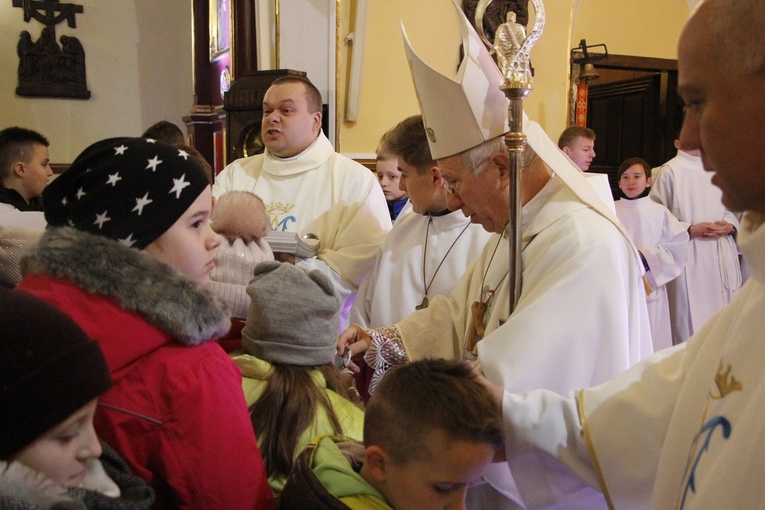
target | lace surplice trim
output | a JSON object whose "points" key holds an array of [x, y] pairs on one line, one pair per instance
{"points": [[386, 352]]}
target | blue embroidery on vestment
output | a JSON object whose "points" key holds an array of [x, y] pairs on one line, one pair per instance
{"points": [[283, 224], [708, 428]]}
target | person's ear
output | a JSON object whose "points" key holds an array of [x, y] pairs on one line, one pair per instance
{"points": [[18, 169], [566, 151], [648, 182], [501, 160], [436, 178], [376, 461], [317, 121]]}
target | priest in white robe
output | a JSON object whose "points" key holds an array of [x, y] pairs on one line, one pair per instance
{"points": [[310, 189], [682, 429]]}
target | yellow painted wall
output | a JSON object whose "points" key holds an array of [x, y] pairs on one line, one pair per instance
{"points": [[138, 55], [647, 28], [139, 71]]}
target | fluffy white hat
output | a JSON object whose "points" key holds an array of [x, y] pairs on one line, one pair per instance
{"points": [[461, 112], [241, 218]]}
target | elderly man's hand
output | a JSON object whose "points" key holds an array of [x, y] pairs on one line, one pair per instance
{"points": [[356, 340]]}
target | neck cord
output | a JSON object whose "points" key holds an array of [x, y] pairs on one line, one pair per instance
{"points": [[477, 329], [425, 302]]}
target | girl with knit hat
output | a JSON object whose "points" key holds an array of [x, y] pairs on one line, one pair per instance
{"points": [[291, 385], [51, 379], [127, 255]]}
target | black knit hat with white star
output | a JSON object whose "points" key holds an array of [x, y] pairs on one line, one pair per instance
{"points": [[130, 190]]}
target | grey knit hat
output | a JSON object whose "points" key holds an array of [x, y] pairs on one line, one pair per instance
{"points": [[50, 369], [294, 316]]}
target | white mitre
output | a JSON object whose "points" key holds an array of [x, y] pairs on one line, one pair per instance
{"points": [[461, 112]]}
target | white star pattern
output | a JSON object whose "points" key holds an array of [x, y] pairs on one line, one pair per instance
{"points": [[153, 163], [80, 193], [113, 178], [148, 140], [178, 185], [141, 202], [64, 201], [128, 241], [101, 219], [118, 151], [182, 153]]}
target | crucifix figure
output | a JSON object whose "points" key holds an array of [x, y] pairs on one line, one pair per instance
{"points": [[45, 68]]}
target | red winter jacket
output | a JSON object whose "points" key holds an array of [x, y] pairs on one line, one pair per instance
{"points": [[176, 413]]}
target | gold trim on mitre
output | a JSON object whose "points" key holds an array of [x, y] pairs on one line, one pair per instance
{"points": [[461, 112]]}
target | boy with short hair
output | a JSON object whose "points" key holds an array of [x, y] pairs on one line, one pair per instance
{"points": [[578, 143], [426, 252], [24, 168], [389, 177], [165, 131], [430, 431], [661, 239]]}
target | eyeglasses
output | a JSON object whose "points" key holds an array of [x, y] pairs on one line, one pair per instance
{"points": [[453, 188]]}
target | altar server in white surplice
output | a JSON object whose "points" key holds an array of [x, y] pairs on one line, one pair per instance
{"points": [[712, 274], [311, 189], [427, 250], [581, 317], [684, 428], [661, 238]]}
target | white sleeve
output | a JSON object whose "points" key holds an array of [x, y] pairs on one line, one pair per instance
{"points": [[609, 436], [346, 289]]}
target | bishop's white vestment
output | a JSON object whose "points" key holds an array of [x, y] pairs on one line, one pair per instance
{"points": [[581, 317], [664, 242], [324, 193], [712, 273], [421, 251], [682, 429]]}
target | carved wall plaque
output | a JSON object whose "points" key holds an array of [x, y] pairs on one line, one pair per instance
{"points": [[47, 69]]}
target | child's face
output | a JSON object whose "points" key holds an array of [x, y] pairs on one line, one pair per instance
{"points": [[36, 172], [389, 177], [61, 453], [189, 245], [440, 482], [633, 181], [423, 194], [581, 151]]}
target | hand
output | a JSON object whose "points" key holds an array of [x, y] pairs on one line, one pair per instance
{"points": [[497, 392], [711, 230], [285, 257], [356, 340]]}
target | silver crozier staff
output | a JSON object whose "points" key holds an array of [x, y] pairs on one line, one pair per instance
{"points": [[512, 48]]}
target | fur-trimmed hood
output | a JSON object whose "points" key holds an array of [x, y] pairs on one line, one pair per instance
{"points": [[23, 488], [186, 310]]}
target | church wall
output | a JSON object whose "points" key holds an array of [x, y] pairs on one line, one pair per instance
{"points": [[139, 71], [648, 28], [139, 63]]}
